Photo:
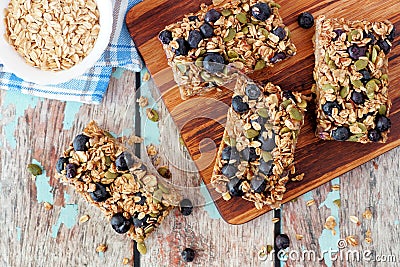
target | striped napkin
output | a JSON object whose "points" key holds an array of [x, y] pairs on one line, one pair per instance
{"points": [[91, 86]]}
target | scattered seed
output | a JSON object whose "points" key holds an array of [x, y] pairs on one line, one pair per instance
{"points": [[47, 206], [101, 248], [355, 220], [34, 169], [375, 165], [262, 254], [367, 214], [146, 77], [330, 224], [133, 139], [141, 247], [337, 202], [125, 261], [152, 114], [299, 237], [275, 220], [164, 172], [143, 101], [84, 218], [310, 202], [368, 240], [335, 187], [352, 240]]}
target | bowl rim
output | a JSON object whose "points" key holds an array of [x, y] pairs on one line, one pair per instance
{"points": [[15, 63]]}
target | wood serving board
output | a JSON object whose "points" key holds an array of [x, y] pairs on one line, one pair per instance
{"points": [[202, 118]]}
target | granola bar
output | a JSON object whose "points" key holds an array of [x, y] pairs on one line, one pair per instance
{"points": [[256, 158], [119, 184], [206, 48], [351, 75]]}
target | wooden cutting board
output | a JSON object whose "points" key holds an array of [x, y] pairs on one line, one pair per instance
{"points": [[201, 119]]}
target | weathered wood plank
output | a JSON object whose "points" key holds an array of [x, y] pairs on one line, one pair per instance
{"points": [[33, 129]]}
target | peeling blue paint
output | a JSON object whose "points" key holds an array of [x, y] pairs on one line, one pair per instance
{"points": [[71, 109], [308, 196], [24, 101], [328, 241], [209, 206], [67, 197], [44, 192], [68, 217], [18, 233], [101, 254], [396, 222], [117, 74]]}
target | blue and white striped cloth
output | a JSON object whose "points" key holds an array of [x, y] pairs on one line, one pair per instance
{"points": [[91, 86]]}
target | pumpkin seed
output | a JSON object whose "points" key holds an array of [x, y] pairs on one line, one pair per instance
{"points": [[382, 110], [384, 77], [206, 76], [273, 4], [374, 55], [199, 62], [295, 114], [260, 65], [327, 86], [355, 137], [149, 229], [241, 17], [344, 91], [164, 172], [181, 68], [302, 104], [361, 64], [34, 169], [110, 175], [251, 133], [108, 160], [245, 30], [362, 127], [157, 196], [226, 12], [232, 54], [337, 202], [332, 65], [284, 130], [352, 35], [327, 58], [230, 36], [263, 112], [267, 156], [371, 87], [141, 247], [286, 103], [152, 114], [202, 52], [218, 80], [357, 83], [230, 141], [163, 188], [264, 32]]}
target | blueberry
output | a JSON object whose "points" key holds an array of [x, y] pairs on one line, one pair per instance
{"points": [[212, 15], [267, 144], [258, 184], [188, 254], [278, 57], [358, 98], [139, 223], [374, 135], [371, 36], [214, 63], [71, 169], [289, 95], [265, 167], [230, 153], [384, 45], [282, 241], [338, 34], [234, 186], [229, 170], [280, 32], [260, 120], [142, 199], [305, 20], [123, 161], [329, 106], [341, 133], [253, 91], [194, 38], [207, 30], [193, 18], [392, 34], [80, 141], [120, 224], [60, 165], [249, 154], [366, 76], [355, 52], [261, 11], [183, 48], [100, 194], [382, 123], [186, 207], [165, 36], [238, 105]]}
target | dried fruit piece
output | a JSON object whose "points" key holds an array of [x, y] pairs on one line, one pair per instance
{"points": [[152, 114]]}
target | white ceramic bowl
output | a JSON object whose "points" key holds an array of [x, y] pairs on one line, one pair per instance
{"points": [[16, 64]]}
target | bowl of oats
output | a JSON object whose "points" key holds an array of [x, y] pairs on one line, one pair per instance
{"points": [[50, 41]]}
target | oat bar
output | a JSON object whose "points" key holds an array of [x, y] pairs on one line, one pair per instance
{"points": [[206, 48], [256, 158], [351, 75], [110, 178]]}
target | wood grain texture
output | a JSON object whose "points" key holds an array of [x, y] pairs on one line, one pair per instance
{"points": [[319, 160], [215, 242], [40, 135]]}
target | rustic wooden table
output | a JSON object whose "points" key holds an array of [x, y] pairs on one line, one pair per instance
{"points": [[36, 130]]}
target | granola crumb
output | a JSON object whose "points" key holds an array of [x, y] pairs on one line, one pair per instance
{"points": [[375, 165], [151, 150], [299, 237], [84, 218], [143, 101], [310, 202], [352, 240], [101, 248], [355, 220], [146, 77], [135, 140], [335, 187], [330, 224], [125, 261], [367, 214], [47, 206], [275, 220]]}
